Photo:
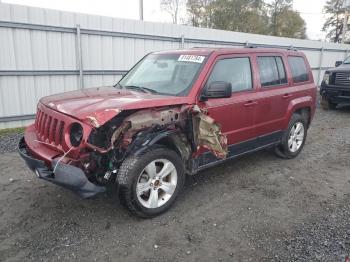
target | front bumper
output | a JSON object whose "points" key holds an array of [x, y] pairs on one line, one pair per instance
{"points": [[67, 176], [335, 94]]}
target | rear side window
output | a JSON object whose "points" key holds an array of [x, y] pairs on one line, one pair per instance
{"points": [[298, 68], [272, 71], [236, 71]]}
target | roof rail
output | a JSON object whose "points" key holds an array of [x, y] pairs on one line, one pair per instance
{"points": [[292, 48], [248, 45]]}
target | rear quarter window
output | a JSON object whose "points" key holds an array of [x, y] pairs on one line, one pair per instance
{"points": [[299, 69]]}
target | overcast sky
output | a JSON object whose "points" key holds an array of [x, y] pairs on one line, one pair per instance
{"points": [[310, 10]]}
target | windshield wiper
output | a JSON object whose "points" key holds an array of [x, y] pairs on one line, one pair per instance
{"points": [[118, 86], [143, 89]]}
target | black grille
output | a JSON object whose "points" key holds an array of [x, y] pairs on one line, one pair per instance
{"points": [[342, 78]]}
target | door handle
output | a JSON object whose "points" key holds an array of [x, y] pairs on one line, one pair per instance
{"points": [[250, 103], [285, 96]]}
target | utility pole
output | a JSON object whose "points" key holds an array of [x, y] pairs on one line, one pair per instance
{"points": [[345, 25], [346, 7], [141, 9]]}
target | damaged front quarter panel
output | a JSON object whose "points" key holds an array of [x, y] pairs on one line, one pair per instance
{"points": [[184, 129], [208, 133], [127, 124]]}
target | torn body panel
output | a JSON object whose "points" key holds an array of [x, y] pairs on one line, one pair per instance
{"points": [[208, 133], [100, 118], [123, 128], [185, 120]]}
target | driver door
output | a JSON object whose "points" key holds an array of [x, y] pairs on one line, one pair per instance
{"points": [[236, 114]]}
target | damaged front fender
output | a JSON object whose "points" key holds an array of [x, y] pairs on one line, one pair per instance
{"points": [[186, 128], [208, 133], [98, 119]]}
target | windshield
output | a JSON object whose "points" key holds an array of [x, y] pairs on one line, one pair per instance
{"points": [[347, 60], [166, 74]]}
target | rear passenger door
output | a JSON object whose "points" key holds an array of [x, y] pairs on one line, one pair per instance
{"points": [[274, 96]]}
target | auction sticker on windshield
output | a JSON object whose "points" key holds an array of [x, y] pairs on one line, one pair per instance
{"points": [[191, 58]]}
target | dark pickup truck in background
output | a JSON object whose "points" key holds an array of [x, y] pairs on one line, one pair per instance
{"points": [[335, 87]]}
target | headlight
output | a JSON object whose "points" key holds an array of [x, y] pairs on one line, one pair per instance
{"points": [[76, 134], [326, 78]]}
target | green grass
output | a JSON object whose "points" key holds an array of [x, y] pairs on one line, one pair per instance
{"points": [[8, 131]]}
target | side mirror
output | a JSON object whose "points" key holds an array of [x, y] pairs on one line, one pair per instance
{"points": [[218, 89], [338, 63]]}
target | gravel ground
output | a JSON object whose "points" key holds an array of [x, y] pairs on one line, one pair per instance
{"points": [[255, 208], [9, 142]]}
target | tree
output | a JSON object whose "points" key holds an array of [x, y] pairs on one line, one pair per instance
{"points": [[172, 7], [276, 8], [334, 22], [250, 16], [200, 12], [239, 15], [289, 23], [284, 21]]}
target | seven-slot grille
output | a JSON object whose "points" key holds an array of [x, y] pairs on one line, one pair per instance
{"points": [[49, 129], [342, 78]]}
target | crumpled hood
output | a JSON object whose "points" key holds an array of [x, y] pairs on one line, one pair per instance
{"points": [[95, 106]]}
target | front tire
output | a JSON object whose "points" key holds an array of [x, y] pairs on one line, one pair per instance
{"points": [[293, 139], [150, 182], [327, 105]]}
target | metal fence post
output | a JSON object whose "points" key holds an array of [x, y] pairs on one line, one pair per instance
{"points": [[79, 59], [320, 67], [182, 45]]}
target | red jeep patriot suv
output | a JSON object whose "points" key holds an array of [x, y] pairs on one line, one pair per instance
{"points": [[174, 113]]}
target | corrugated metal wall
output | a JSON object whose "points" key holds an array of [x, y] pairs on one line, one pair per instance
{"points": [[46, 51]]}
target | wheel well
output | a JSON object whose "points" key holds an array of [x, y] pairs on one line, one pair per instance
{"points": [[169, 143], [306, 113], [179, 145]]}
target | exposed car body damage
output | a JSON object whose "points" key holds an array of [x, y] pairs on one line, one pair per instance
{"points": [[96, 106], [208, 133], [97, 119], [105, 143], [181, 126]]}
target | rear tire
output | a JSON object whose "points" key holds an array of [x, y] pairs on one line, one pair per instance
{"points": [[293, 139], [327, 105], [150, 182]]}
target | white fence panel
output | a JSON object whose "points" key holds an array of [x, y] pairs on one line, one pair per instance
{"points": [[40, 52]]}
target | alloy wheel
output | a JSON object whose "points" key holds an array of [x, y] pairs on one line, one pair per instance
{"points": [[296, 137], [157, 183]]}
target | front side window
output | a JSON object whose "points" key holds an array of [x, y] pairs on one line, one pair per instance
{"points": [[272, 71], [167, 74], [298, 68], [236, 71]]}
